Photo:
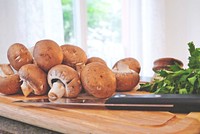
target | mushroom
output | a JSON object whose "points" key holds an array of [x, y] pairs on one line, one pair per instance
{"points": [[98, 80], [164, 63], [131, 62], [64, 82], [34, 80], [47, 54], [9, 82], [95, 59], [74, 56], [5, 69], [18, 55], [126, 78]]}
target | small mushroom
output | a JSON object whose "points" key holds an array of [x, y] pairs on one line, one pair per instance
{"points": [[47, 54], [98, 80], [6, 69], [126, 78], [9, 82], [18, 55], [64, 82], [164, 63], [131, 62], [95, 59], [34, 80], [74, 56]]}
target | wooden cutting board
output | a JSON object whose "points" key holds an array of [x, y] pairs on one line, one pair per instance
{"points": [[97, 120]]}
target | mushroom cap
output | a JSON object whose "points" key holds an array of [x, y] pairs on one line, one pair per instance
{"points": [[47, 54], [131, 62], [6, 69], [95, 59], [10, 84], [164, 63], [73, 55], [18, 55], [35, 77], [68, 76], [98, 80], [127, 79]]}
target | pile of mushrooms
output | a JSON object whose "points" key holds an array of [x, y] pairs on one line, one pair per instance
{"points": [[64, 71]]}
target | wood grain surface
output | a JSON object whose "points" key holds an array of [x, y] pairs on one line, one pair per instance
{"points": [[97, 120]]}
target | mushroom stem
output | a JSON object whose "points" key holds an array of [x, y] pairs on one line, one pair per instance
{"points": [[57, 91], [79, 67], [26, 89]]}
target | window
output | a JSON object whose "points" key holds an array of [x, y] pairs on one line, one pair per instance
{"points": [[115, 29], [102, 34]]}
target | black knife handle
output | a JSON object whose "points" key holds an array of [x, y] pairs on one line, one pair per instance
{"points": [[156, 102]]}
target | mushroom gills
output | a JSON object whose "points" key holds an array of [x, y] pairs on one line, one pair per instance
{"points": [[123, 68], [57, 91]]}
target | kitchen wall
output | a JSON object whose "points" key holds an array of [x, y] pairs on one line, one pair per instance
{"points": [[182, 26]]}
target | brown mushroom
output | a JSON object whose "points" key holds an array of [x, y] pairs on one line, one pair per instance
{"points": [[131, 62], [47, 54], [95, 59], [18, 55], [74, 56], [164, 63], [98, 80], [64, 82], [34, 80], [126, 78], [5, 69], [9, 82]]}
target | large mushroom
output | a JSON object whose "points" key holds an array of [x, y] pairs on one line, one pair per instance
{"points": [[131, 62], [18, 55], [9, 82], [98, 80], [64, 82], [126, 78], [47, 53], [74, 56], [34, 80]]}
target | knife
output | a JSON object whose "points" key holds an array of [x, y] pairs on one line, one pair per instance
{"points": [[147, 102]]}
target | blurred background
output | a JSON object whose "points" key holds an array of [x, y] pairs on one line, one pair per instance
{"points": [[110, 29]]}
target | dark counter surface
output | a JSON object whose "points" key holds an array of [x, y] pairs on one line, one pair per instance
{"points": [[9, 126]]}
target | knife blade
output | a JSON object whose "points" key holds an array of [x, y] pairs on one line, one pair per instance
{"points": [[146, 102]]}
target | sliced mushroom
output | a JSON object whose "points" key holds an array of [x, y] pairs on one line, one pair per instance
{"points": [[18, 55], [127, 79], [98, 80], [34, 80], [74, 56], [47, 54], [9, 82], [64, 82], [95, 59], [131, 62]]}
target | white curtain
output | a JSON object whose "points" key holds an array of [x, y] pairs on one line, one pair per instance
{"points": [[162, 28], [144, 31], [28, 21]]}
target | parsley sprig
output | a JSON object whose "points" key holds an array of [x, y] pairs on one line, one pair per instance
{"points": [[177, 80]]}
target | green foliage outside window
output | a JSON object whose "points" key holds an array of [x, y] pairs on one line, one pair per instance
{"points": [[102, 14]]}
